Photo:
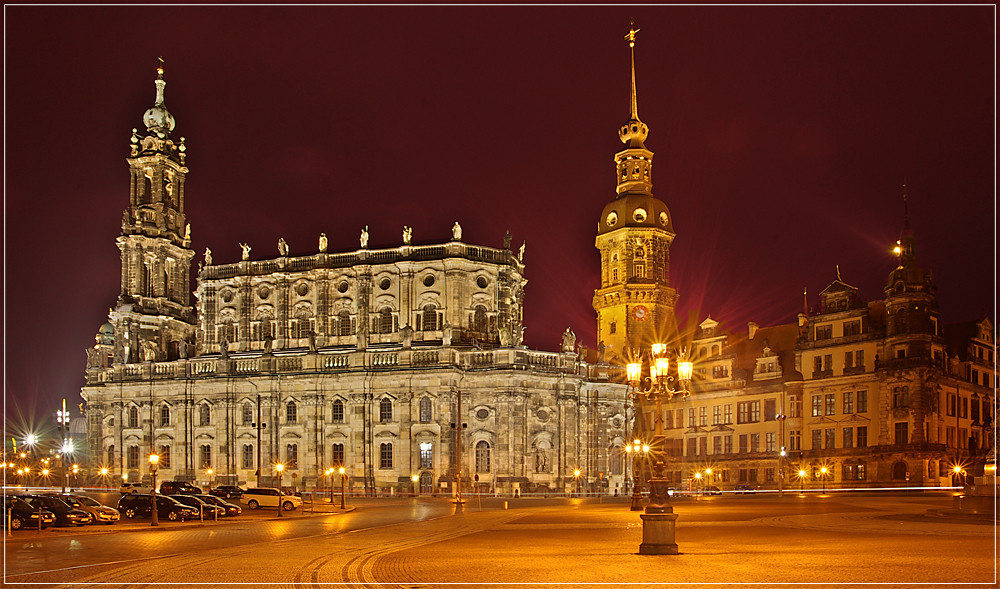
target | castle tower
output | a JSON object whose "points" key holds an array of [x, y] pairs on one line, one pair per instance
{"points": [[154, 315], [635, 303]]}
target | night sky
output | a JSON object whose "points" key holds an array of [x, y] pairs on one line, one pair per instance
{"points": [[782, 138]]}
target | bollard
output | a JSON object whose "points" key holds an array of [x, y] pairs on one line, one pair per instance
{"points": [[505, 505]]}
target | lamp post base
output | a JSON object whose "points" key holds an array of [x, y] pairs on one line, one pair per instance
{"points": [[658, 533]]}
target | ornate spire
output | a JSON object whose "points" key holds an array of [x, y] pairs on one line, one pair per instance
{"points": [[634, 132], [158, 119]]}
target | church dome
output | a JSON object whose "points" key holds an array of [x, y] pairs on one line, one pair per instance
{"points": [[158, 119], [106, 334], [635, 210]]}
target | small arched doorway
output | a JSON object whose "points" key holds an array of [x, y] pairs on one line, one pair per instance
{"points": [[899, 471]]}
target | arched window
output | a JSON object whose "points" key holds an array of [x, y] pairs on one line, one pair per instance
{"points": [[164, 453], [246, 456], [204, 414], [338, 411], [384, 320], [133, 457], [482, 456], [344, 323], [480, 322], [385, 455], [164, 415], [430, 318], [426, 455], [263, 325], [247, 414], [617, 460], [205, 455], [133, 417], [291, 412], [337, 455], [291, 455], [302, 324], [385, 410], [425, 410]]}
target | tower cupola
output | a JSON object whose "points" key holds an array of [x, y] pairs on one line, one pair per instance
{"points": [[158, 119]]}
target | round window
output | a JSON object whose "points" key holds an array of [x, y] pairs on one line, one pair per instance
{"points": [[483, 413], [664, 218], [542, 415], [429, 280], [263, 292], [227, 295], [639, 215], [302, 288], [616, 422], [384, 284], [612, 218], [482, 282], [342, 287]]}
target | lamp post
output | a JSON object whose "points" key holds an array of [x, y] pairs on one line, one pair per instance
{"points": [[822, 472], [343, 487], [633, 450], [415, 478], [62, 417], [279, 467], [576, 476], [802, 481], [698, 483], [104, 475], [659, 519], [329, 482], [154, 463]]}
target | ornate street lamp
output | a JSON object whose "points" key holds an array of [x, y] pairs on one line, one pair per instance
{"points": [[634, 449], [154, 463], [659, 519]]}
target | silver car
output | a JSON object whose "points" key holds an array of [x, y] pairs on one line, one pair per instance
{"points": [[102, 513]]}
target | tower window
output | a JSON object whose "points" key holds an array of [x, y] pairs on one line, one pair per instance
{"points": [[613, 327]]}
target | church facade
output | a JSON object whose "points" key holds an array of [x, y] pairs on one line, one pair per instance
{"points": [[394, 362]]}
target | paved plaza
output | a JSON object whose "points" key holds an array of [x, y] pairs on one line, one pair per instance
{"points": [[896, 538]]}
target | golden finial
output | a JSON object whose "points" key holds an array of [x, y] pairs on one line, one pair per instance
{"points": [[630, 37], [159, 68]]}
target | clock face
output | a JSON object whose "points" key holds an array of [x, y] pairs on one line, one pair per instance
{"points": [[612, 218], [639, 313]]}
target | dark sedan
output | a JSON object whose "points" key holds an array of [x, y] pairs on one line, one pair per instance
{"points": [[205, 509], [24, 516], [65, 515], [231, 510], [227, 492], [168, 508]]}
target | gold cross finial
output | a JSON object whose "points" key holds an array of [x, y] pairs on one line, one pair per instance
{"points": [[630, 37]]}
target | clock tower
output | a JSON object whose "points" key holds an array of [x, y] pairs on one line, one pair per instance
{"points": [[635, 303]]}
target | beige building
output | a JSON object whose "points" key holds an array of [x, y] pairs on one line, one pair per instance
{"points": [[393, 362]]}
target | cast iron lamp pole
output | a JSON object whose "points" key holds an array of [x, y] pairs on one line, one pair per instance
{"points": [[659, 519], [343, 487], [281, 498], [154, 463]]}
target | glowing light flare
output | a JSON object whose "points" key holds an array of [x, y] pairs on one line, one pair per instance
{"points": [[279, 467], [415, 478], [634, 371], [154, 459], [660, 368], [576, 472], [342, 470]]}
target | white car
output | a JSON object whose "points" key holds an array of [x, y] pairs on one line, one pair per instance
{"points": [[135, 489], [270, 497]]}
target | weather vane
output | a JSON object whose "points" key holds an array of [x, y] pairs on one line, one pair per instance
{"points": [[630, 37]]}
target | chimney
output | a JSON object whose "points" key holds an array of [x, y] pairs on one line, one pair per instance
{"points": [[753, 329]]}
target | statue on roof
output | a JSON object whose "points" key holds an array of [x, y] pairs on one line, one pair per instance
{"points": [[456, 232], [364, 237], [246, 250], [322, 243], [282, 247], [407, 235], [208, 257]]}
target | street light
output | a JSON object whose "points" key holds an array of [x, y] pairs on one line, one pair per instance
{"points": [[280, 468], [154, 463], [576, 475], [104, 475], [659, 519], [822, 471], [329, 482], [62, 418], [634, 449], [343, 487], [697, 478], [802, 481], [415, 478]]}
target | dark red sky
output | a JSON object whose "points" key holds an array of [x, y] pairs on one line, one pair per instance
{"points": [[782, 137]]}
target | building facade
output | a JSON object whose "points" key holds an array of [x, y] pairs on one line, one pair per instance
{"points": [[393, 362]]}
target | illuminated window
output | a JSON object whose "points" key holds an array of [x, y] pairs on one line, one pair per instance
{"points": [[426, 455], [848, 402]]}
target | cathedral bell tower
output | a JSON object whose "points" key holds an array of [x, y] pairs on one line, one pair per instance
{"points": [[154, 319], [635, 304]]}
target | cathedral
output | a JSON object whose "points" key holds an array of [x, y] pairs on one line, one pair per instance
{"points": [[405, 365]]}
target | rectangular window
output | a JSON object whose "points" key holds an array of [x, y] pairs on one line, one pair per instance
{"points": [[205, 456], [717, 445], [755, 442], [717, 415], [703, 446], [133, 457], [385, 455], [727, 414], [691, 422], [742, 412], [795, 440], [720, 372], [817, 441], [951, 405], [703, 416], [824, 332], [727, 444], [770, 410], [337, 412], [292, 455], [770, 442], [246, 456], [831, 438], [852, 328], [848, 360], [817, 405], [692, 447], [863, 437], [769, 475], [974, 411], [902, 433], [848, 437], [831, 404], [751, 475], [965, 407], [862, 404], [795, 407], [164, 457], [818, 364], [848, 402], [743, 443], [827, 362], [859, 359], [337, 454], [426, 455]]}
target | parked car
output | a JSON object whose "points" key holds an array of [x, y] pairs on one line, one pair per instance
{"points": [[231, 510], [65, 515], [133, 506], [738, 489], [23, 515], [205, 509], [227, 492], [101, 514], [134, 489], [712, 490], [178, 488], [270, 497]]}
